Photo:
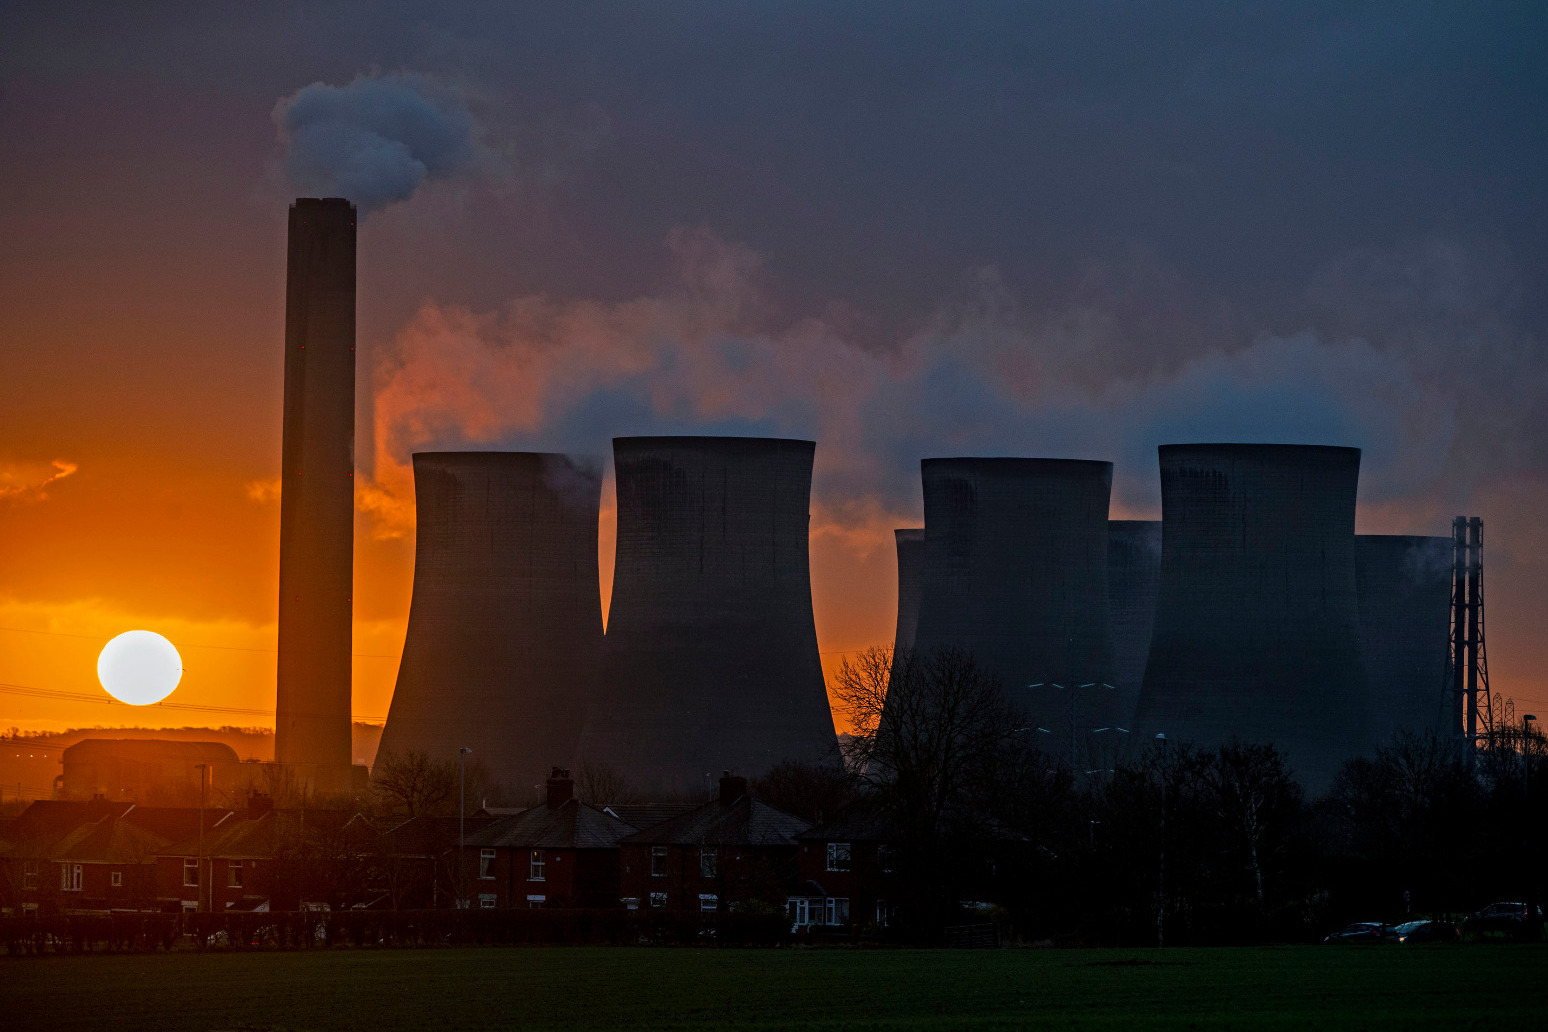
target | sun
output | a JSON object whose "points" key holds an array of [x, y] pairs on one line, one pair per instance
{"points": [[139, 667]]}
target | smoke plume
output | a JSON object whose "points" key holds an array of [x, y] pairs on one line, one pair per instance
{"points": [[28, 481], [373, 140]]}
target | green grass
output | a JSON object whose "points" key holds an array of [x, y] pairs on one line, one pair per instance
{"points": [[1299, 988]]}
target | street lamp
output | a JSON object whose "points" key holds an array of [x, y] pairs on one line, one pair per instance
{"points": [[462, 821], [1526, 806], [199, 862]]}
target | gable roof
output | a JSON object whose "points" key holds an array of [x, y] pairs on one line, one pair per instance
{"points": [[240, 838], [111, 840], [431, 836], [574, 825], [745, 822], [643, 815], [864, 820]]}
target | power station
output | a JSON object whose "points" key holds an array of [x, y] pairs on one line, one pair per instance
{"points": [[317, 498], [1133, 576], [1015, 573], [710, 661], [910, 545], [505, 625], [1257, 629]]}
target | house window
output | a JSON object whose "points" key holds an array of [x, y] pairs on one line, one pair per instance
{"points": [[709, 863], [29, 874], [657, 900], [234, 874], [709, 901], [630, 902], [837, 911], [886, 858], [190, 871], [70, 877], [536, 866], [486, 901], [658, 857], [117, 879], [883, 913], [838, 856], [486, 861], [536, 902], [800, 911]]}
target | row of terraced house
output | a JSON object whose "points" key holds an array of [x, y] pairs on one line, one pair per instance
{"points": [[98, 856]]}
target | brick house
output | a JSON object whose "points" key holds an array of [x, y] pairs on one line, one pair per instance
{"points": [[717, 856], [846, 871], [416, 865], [563, 853]]}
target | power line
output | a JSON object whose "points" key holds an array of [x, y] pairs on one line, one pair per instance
{"points": [[54, 693]]}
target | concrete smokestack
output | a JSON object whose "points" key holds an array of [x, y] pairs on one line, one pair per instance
{"points": [[505, 627], [1133, 575], [1404, 583], [910, 544], [317, 496], [1257, 619], [710, 661], [1015, 572]]}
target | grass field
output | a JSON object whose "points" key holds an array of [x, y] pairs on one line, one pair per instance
{"points": [[1300, 988]]}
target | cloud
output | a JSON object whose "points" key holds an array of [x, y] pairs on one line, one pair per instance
{"points": [[374, 140], [263, 492], [28, 481]]}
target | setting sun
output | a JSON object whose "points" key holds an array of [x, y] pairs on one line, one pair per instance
{"points": [[139, 667]]}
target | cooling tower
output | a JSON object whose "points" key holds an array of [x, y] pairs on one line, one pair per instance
{"points": [[1257, 620], [505, 626], [910, 544], [1133, 574], [1015, 572], [710, 661], [317, 496], [1404, 583]]}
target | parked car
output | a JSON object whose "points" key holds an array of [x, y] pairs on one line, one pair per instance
{"points": [[1415, 932], [1507, 918], [1363, 932]]}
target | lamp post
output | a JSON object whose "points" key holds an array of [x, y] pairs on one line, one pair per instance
{"points": [[1526, 806], [1161, 882], [199, 860], [462, 821]]}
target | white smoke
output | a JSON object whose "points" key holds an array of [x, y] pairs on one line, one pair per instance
{"points": [[374, 140]]}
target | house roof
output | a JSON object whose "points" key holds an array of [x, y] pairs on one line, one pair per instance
{"points": [[643, 815], [864, 820], [431, 836], [574, 825], [745, 822], [47, 821], [109, 840], [268, 835]]}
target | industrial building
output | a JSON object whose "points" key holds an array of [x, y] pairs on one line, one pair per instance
{"points": [[505, 625], [1133, 575], [1015, 572], [710, 661], [1257, 630], [1404, 583], [910, 544], [317, 497]]}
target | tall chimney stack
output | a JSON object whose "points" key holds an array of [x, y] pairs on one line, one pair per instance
{"points": [[312, 709]]}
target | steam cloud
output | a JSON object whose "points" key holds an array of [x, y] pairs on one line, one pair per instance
{"points": [[28, 481], [984, 377], [374, 140]]}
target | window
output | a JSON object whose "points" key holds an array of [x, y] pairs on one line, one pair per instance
{"points": [[234, 874], [486, 901], [800, 911], [190, 871], [630, 902], [536, 902], [70, 877], [709, 901], [883, 913], [486, 862], [658, 858], [536, 866], [838, 856], [838, 911], [30, 874], [887, 858], [117, 879], [658, 900], [709, 862]]}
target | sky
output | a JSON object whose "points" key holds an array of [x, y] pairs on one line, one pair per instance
{"points": [[902, 230]]}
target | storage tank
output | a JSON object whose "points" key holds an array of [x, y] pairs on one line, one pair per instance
{"points": [[1133, 575], [1257, 618], [505, 625], [1015, 572], [1404, 583]]}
